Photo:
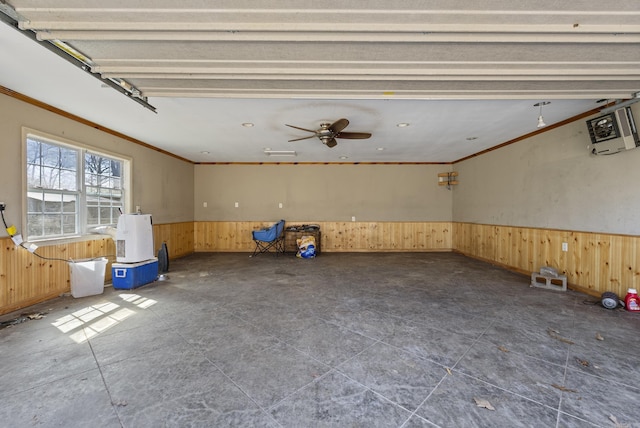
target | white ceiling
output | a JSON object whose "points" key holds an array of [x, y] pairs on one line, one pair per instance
{"points": [[452, 73]]}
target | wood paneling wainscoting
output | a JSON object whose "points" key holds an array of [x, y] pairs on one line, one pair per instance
{"points": [[594, 262], [178, 236], [26, 279], [386, 236], [229, 236]]}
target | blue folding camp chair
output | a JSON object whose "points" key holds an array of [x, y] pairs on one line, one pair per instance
{"points": [[271, 238]]}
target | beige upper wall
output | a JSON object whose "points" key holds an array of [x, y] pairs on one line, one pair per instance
{"points": [[548, 181], [552, 181], [321, 193], [162, 185]]}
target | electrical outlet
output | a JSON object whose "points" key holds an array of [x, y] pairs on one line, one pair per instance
{"points": [[237, 204], [353, 218], [280, 205], [2, 206], [565, 246], [204, 204]]}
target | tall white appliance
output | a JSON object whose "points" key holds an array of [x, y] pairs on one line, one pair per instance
{"points": [[134, 238]]}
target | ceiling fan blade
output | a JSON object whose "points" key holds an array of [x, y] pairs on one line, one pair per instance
{"points": [[331, 143], [354, 135], [302, 129], [303, 138], [338, 126]]}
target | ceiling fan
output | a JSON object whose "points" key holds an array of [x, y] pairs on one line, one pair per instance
{"points": [[328, 133]]}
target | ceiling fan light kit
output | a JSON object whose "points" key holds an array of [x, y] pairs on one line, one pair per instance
{"points": [[541, 123], [328, 132]]}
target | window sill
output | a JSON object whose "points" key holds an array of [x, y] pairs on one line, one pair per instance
{"points": [[45, 242]]}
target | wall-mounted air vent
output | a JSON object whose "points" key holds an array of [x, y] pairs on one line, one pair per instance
{"points": [[613, 132]]}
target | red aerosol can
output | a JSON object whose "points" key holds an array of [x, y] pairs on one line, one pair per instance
{"points": [[631, 301]]}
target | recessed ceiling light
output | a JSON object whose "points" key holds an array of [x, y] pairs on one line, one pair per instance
{"points": [[402, 125], [471, 138], [205, 152], [247, 124], [380, 149], [344, 157]]}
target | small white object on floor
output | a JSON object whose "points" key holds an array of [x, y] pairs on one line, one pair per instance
{"points": [[481, 402]]}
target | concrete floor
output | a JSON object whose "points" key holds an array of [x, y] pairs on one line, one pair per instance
{"points": [[365, 340]]}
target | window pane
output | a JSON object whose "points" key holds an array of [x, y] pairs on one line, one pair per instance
{"points": [[105, 166], [33, 175], [90, 179], [33, 151], [50, 178], [69, 223], [52, 225], [92, 163], [69, 203], [34, 224], [53, 203], [105, 215], [50, 154], [34, 202], [116, 168], [68, 179], [69, 158], [92, 215]]}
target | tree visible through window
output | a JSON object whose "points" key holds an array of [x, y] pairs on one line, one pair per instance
{"points": [[103, 184], [70, 189]]}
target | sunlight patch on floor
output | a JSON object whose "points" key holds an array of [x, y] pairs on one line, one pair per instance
{"points": [[88, 322]]}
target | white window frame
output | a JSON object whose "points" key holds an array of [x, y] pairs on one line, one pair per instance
{"points": [[82, 228]]}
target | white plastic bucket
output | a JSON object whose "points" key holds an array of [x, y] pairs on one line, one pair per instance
{"points": [[87, 276]]}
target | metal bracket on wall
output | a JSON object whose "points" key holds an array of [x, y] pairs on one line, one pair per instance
{"points": [[447, 179]]}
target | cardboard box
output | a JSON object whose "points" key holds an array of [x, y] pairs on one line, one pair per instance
{"points": [[126, 276]]}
